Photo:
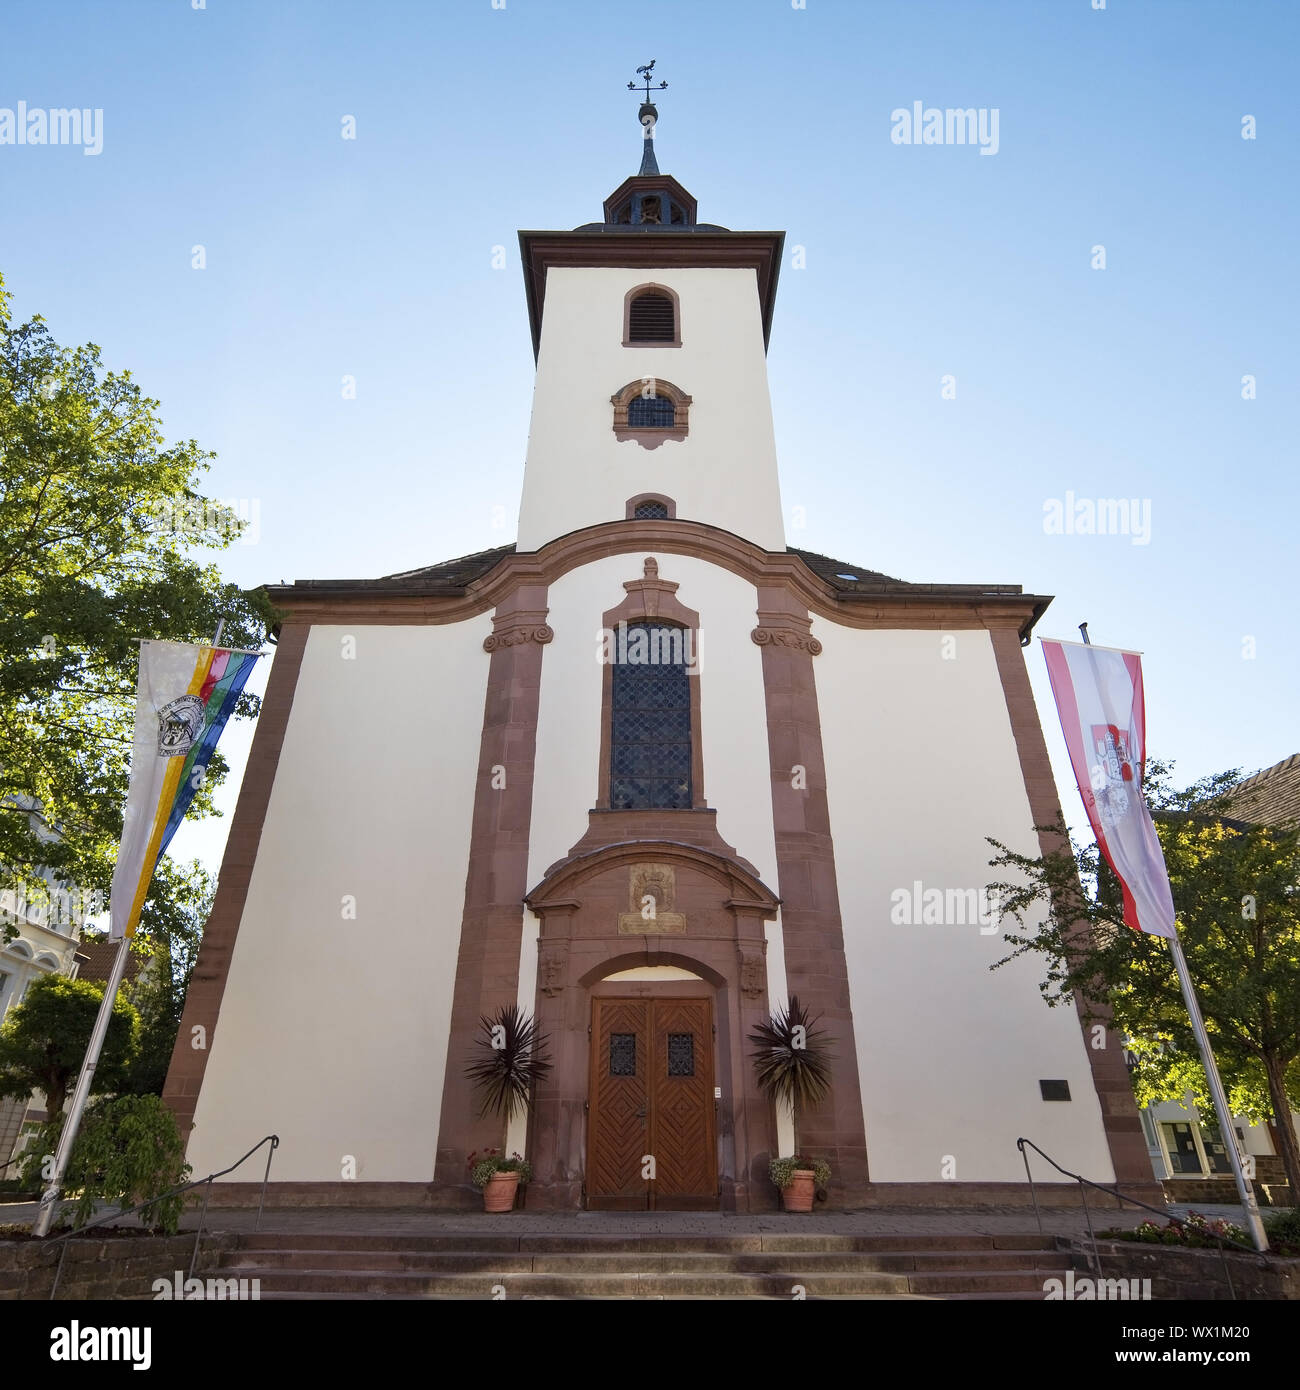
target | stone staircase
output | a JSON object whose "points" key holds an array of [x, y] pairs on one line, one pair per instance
{"points": [[591, 1266]]}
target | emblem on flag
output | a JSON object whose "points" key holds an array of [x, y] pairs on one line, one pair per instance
{"points": [[179, 723], [184, 696], [1098, 692]]}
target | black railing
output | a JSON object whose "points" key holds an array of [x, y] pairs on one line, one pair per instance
{"points": [[205, 1183], [1094, 1254]]}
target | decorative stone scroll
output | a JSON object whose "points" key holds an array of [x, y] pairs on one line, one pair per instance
{"points": [[516, 636], [784, 637]]}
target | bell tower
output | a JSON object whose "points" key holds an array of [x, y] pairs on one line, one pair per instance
{"points": [[650, 331]]}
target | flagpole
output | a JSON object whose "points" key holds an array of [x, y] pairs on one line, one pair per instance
{"points": [[50, 1197], [1227, 1129], [72, 1121]]}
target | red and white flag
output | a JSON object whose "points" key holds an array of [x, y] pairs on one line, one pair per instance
{"points": [[1098, 693]]}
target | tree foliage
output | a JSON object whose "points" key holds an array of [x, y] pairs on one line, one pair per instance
{"points": [[43, 1041], [1236, 891], [100, 522], [171, 927], [127, 1150]]}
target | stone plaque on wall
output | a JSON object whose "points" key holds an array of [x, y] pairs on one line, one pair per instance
{"points": [[652, 893]]}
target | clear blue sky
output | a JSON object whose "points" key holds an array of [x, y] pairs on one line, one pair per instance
{"points": [[373, 258]]}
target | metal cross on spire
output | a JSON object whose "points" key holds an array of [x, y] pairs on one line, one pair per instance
{"points": [[645, 73]]}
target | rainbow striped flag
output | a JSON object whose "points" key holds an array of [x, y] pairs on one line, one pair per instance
{"points": [[184, 697]]}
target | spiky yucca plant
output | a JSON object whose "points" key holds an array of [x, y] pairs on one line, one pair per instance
{"points": [[509, 1060], [792, 1058]]}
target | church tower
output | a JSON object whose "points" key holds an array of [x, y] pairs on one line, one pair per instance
{"points": [[650, 330], [671, 775]]}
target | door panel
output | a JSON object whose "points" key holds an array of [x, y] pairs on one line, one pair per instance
{"points": [[681, 1100], [651, 1093], [618, 1124]]}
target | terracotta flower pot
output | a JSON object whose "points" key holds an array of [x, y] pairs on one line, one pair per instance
{"points": [[499, 1194], [799, 1195]]}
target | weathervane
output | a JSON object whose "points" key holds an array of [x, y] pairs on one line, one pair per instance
{"points": [[645, 73]]}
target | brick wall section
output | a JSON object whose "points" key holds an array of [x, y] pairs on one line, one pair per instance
{"points": [[1128, 1149], [487, 965], [208, 983], [116, 1267], [1189, 1274], [816, 970]]}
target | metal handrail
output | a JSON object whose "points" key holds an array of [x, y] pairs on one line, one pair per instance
{"points": [[1094, 1255], [205, 1183]]}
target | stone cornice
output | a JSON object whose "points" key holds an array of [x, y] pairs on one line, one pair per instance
{"points": [[743, 886], [650, 250], [895, 606]]}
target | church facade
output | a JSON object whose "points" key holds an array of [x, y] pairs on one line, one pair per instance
{"points": [[669, 772]]}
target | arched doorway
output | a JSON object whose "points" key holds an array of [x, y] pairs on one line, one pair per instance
{"points": [[651, 971]]}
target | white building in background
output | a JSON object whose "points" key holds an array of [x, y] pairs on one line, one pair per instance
{"points": [[648, 773], [45, 943]]}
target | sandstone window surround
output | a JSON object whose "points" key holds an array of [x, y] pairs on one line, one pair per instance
{"points": [[651, 410]]}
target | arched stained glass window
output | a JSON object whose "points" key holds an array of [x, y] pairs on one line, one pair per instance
{"points": [[650, 710]]}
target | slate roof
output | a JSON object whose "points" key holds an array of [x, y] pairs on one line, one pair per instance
{"points": [[1270, 797]]}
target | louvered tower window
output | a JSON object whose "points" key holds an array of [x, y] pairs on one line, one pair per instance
{"points": [[651, 319], [650, 738]]}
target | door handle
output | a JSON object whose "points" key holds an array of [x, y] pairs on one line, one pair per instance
{"points": [[640, 1114]]}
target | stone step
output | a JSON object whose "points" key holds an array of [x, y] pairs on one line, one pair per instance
{"points": [[638, 1244], [639, 1262], [287, 1297], [310, 1282]]}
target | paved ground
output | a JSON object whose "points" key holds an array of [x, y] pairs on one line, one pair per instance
{"points": [[893, 1221]]}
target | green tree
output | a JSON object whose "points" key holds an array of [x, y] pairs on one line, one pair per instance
{"points": [[100, 523], [171, 927], [43, 1041], [1236, 891], [127, 1150]]}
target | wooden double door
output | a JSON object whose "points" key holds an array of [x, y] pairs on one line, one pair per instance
{"points": [[650, 1133]]}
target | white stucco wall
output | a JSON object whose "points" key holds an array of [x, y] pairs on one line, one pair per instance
{"points": [[724, 473], [922, 765], [333, 1032], [733, 713]]}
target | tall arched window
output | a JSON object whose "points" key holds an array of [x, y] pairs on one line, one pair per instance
{"points": [[650, 712]]}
